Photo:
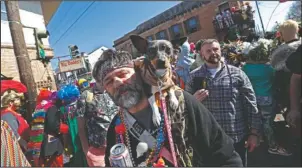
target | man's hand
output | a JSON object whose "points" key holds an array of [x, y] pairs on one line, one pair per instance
{"points": [[293, 117], [252, 141], [96, 157], [201, 94]]}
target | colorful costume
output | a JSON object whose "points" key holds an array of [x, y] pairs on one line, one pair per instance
{"points": [[11, 153], [11, 94], [69, 95]]}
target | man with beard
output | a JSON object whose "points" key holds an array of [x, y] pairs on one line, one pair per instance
{"points": [[227, 92], [207, 144]]}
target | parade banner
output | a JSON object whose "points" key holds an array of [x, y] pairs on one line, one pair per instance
{"points": [[71, 65]]}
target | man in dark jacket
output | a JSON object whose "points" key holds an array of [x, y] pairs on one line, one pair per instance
{"points": [[206, 143]]}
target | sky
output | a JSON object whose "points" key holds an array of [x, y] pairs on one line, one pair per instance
{"points": [[106, 21]]}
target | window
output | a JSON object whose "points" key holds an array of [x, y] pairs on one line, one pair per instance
{"points": [[224, 6], [162, 35], [176, 31], [150, 38], [192, 25]]}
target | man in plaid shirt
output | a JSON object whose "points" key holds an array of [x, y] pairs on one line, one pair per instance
{"points": [[227, 92]]}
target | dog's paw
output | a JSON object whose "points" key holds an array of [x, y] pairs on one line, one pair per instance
{"points": [[173, 101]]}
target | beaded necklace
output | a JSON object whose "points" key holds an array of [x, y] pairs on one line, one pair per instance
{"points": [[160, 139]]}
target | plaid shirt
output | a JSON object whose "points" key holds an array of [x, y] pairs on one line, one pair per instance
{"points": [[231, 99]]}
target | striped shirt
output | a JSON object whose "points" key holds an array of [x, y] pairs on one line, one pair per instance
{"points": [[231, 99]]}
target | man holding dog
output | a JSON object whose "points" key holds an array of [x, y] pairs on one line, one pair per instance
{"points": [[227, 92], [201, 142]]}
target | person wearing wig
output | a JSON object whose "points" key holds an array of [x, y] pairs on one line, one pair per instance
{"points": [[45, 145], [261, 75], [68, 96], [11, 95]]}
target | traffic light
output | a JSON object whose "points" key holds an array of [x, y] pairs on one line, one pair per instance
{"points": [[74, 50], [39, 35]]}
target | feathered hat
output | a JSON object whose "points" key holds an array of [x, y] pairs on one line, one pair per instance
{"points": [[11, 90]]}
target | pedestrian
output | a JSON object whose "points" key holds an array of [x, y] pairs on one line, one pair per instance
{"points": [[193, 131], [96, 111], [68, 97], [51, 141], [261, 75], [288, 35], [11, 95], [227, 92], [293, 63]]}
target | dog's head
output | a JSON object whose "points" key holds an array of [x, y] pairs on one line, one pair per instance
{"points": [[158, 52]]}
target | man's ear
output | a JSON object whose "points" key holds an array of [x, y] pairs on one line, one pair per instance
{"points": [[139, 43]]}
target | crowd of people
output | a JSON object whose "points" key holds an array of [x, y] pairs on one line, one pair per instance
{"points": [[213, 113]]}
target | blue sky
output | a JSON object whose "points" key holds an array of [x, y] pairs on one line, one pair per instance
{"points": [[105, 22]]}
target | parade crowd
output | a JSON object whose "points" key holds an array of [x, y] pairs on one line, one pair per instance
{"points": [[180, 104]]}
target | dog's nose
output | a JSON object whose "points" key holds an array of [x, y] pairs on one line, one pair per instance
{"points": [[160, 64]]}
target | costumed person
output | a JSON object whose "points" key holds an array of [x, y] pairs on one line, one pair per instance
{"points": [[289, 35], [228, 93], [225, 19], [249, 12], [11, 152], [69, 95], [261, 75], [229, 17], [96, 111], [134, 139], [184, 61], [83, 85], [219, 20], [11, 95], [43, 117], [47, 118], [192, 50]]}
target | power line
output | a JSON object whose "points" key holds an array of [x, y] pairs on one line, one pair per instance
{"points": [[74, 23], [69, 32], [61, 19]]}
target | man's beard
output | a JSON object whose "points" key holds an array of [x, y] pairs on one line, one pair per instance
{"points": [[213, 59], [128, 95]]}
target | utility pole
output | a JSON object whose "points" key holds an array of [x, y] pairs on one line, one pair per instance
{"points": [[20, 50], [260, 18]]}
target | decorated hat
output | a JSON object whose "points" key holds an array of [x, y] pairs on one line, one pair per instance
{"points": [[11, 90]]}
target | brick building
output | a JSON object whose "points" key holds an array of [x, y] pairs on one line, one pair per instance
{"points": [[192, 19], [33, 14]]}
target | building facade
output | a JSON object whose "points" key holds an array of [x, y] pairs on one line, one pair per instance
{"points": [[193, 19], [31, 15]]}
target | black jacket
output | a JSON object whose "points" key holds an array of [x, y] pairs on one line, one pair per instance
{"points": [[211, 145]]}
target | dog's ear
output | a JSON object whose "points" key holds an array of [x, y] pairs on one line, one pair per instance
{"points": [[183, 40], [179, 41], [139, 43]]}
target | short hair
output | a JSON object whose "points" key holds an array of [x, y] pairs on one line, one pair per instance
{"points": [[289, 28], [208, 41]]}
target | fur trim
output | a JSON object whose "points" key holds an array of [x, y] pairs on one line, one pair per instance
{"points": [[280, 55]]}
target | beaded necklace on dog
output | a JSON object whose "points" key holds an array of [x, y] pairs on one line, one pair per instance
{"points": [[165, 125]]}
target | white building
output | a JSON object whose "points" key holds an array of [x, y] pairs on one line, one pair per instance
{"points": [[33, 14]]}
